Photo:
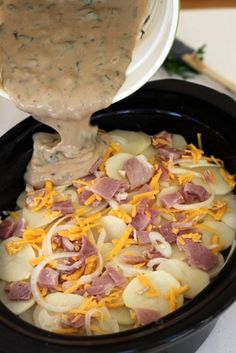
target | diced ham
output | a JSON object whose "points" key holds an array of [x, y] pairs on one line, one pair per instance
{"points": [[138, 171], [87, 248], [151, 253], [164, 173], [198, 255], [168, 153], [171, 199], [146, 316], [142, 206], [58, 240], [134, 260], [20, 226], [166, 231], [140, 221], [164, 138], [106, 187], [103, 285], [153, 213], [67, 244], [70, 321], [116, 276], [64, 206], [84, 196], [7, 228], [48, 278], [194, 193], [95, 166], [144, 188], [18, 291], [143, 237], [31, 196], [121, 196]]}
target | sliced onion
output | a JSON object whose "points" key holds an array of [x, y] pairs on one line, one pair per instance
{"points": [[128, 270], [183, 171], [164, 247], [190, 163], [92, 210], [193, 206], [113, 204], [105, 313], [154, 262], [47, 241], [89, 278], [88, 318], [34, 280]]}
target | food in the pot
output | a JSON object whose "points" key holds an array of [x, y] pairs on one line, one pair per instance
{"points": [[122, 247]]}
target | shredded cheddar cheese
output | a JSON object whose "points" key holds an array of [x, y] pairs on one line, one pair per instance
{"points": [[230, 179], [149, 195], [120, 243], [150, 288], [173, 295]]}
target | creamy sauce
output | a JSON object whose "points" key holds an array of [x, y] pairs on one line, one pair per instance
{"points": [[62, 61]]}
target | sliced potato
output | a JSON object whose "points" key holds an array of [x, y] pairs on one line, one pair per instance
{"points": [[15, 306], [115, 164], [178, 141], [196, 279], [218, 187], [28, 315], [226, 234], [62, 299], [20, 202], [177, 254], [215, 270], [122, 315], [131, 141], [114, 227], [37, 219], [134, 295], [69, 192], [229, 217], [45, 319], [128, 208], [15, 267], [150, 152]]}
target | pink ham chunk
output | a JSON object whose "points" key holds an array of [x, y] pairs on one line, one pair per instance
{"points": [[138, 171], [18, 291], [65, 207], [87, 248], [103, 285], [48, 278], [143, 237], [166, 231], [146, 316], [134, 259], [95, 166], [7, 229], [106, 187], [194, 193], [140, 221], [164, 138], [169, 200], [168, 153], [198, 255]]}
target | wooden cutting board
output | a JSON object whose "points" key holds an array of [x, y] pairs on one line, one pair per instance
{"points": [[194, 4]]}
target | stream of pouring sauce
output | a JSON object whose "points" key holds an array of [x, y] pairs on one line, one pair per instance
{"points": [[62, 61]]}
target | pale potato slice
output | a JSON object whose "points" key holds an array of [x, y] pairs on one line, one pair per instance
{"points": [[15, 267], [131, 141], [226, 234], [178, 141], [122, 315], [45, 319], [150, 152], [196, 279], [70, 193], [20, 202], [229, 217], [114, 227], [125, 327], [115, 164], [39, 218], [28, 315], [62, 299], [215, 270], [15, 306], [218, 187], [177, 254], [134, 295]]}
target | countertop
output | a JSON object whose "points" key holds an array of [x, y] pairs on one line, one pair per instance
{"points": [[217, 29]]}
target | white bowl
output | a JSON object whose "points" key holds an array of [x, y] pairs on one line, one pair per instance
{"points": [[152, 47]]}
